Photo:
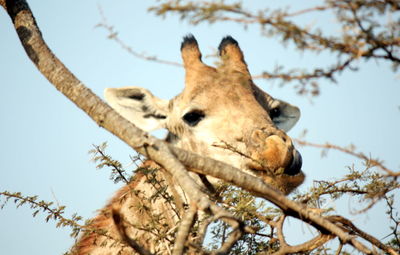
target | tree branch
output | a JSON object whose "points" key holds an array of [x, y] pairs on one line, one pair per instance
{"points": [[52, 68], [184, 230], [350, 43], [57, 214], [369, 160], [113, 35], [350, 226]]}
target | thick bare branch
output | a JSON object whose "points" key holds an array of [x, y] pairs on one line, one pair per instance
{"points": [[184, 230], [100, 112]]}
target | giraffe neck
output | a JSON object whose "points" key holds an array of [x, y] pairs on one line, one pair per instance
{"points": [[144, 212]]}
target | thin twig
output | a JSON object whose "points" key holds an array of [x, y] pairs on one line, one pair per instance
{"points": [[370, 161], [57, 215], [113, 35], [111, 163]]}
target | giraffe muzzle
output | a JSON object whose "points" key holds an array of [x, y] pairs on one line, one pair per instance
{"points": [[274, 153]]}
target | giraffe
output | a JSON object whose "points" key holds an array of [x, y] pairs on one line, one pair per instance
{"points": [[220, 114]]}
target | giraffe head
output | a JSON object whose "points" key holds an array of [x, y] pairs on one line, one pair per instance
{"points": [[221, 114]]}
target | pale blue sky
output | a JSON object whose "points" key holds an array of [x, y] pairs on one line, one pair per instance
{"points": [[45, 138]]}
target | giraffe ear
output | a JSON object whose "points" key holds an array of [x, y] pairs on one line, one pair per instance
{"points": [[139, 106]]}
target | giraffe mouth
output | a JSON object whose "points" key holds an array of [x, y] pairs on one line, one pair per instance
{"points": [[295, 166], [292, 169], [283, 179]]}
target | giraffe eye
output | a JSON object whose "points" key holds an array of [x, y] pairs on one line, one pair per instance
{"points": [[275, 113], [192, 118]]}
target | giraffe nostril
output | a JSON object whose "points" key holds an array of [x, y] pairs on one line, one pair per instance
{"points": [[295, 166]]}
